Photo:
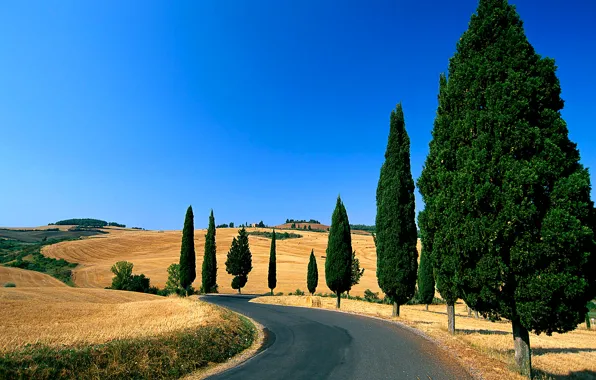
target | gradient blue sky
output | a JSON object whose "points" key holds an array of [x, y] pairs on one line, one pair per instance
{"points": [[262, 110]]}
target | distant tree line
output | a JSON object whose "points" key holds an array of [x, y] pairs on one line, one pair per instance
{"points": [[230, 225], [86, 222], [278, 235], [363, 227], [312, 221]]}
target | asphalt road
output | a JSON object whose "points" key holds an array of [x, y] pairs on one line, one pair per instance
{"points": [[306, 343]]}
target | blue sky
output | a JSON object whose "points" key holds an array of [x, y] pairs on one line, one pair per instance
{"points": [[262, 110]]}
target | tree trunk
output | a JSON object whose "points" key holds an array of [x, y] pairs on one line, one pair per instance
{"points": [[476, 314], [451, 318], [338, 299], [426, 307], [239, 291], [395, 312], [469, 310], [588, 324], [523, 353], [271, 291]]}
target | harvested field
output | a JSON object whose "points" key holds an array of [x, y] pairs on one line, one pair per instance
{"points": [[28, 278], [64, 316], [486, 346], [152, 252]]}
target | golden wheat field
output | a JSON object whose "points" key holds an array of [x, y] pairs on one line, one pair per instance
{"points": [[68, 316], [484, 345], [151, 252], [27, 278]]}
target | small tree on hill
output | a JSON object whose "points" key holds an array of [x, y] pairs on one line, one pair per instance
{"points": [[356, 272], [209, 269], [187, 253], [122, 271], [239, 262], [312, 278], [173, 282], [338, 265], [426, 279], [272, 275], [396, 235]]}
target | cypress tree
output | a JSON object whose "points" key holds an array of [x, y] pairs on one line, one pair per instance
{"points": [[519, 215], [239, 262], [396, 233], [426, 279], [209, 269], [338, 265], [272, 276], [187, 252], [312, 278]]}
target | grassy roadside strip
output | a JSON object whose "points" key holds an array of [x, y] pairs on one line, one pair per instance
{"points": [[484, 347], [169, 356]]}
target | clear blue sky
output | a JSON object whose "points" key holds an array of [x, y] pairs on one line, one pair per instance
{"points": [[262, 110]]}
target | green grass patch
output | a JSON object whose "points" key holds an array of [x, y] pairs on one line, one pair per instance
{"points": [[165, 357], [278, 235], [24, 255]]}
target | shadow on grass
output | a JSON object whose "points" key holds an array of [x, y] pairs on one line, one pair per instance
{"points": [[482, 332], [569, 350], [583, 375]]}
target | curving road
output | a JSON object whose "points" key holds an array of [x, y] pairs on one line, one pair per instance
{"points": [[305, 343]]}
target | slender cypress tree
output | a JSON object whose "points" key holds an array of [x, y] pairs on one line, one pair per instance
{"points": [[239, 262], [272, 276], [209, 269], [187, 252], [435, 187], [312, 278], [519, 211], [397, 257], [426, 279], [338, 265]]}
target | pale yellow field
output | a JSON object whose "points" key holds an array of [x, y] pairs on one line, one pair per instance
{"points": [[27, 278], [151, 252], [71, 316], [484, 345]]}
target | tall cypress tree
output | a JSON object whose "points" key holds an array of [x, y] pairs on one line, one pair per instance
{"points": [[519, 209], [187, 252], [312, 278], [396, 237], [209, 269], [338, 265], [272, 275], [239, 262], [426, 279], [435, 187]]}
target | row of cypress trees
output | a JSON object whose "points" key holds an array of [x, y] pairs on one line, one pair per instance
{"points": [[508, 224]]}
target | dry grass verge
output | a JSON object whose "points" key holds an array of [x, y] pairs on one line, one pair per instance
{"points": [[484, 346], [94, 333]]}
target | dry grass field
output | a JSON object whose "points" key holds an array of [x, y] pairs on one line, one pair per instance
{"points": [[481, 344], [64, 316], [151, 252], [27, 278]]}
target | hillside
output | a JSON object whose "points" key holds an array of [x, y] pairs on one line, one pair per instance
{"points": [[151, 252], [28, 278]]}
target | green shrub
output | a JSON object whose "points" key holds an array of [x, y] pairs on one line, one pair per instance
{"points": [[298, 292], [370, 296], [10, 285], [279, 294]]}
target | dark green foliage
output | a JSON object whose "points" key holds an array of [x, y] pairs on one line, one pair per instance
{"points": [[231, 224], [356, 271], [222, 225], [124, 279], [312, 278], [85, 222], [362, 227], [293, 225], [168, 356], [371, 296], [426, 279], [114, 224], [278, 235], [239, 261], [520, 198], [338, 265], [432, 183], [209, 269], [397, 257], [311, 221], [261, 224], [272, 274], [9, 285], [298, 292], [173, 282], [187, 251], [18, 254]]}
